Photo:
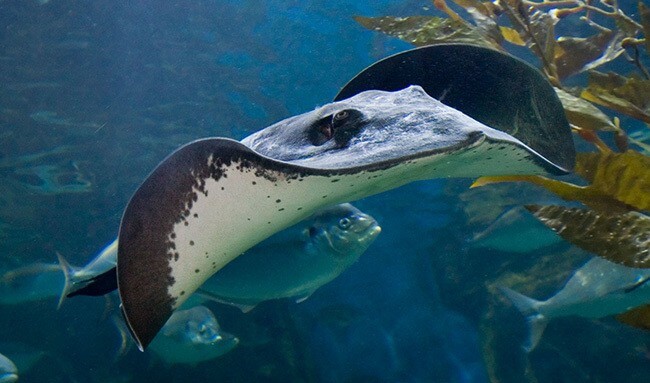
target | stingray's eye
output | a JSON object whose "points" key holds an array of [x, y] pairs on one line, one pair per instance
{"points": [[342, 115], [345, 223], [345, 125]]}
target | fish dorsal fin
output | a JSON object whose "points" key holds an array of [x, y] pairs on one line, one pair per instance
{"points": [[638, 317], [304, 297], [245, 308]]}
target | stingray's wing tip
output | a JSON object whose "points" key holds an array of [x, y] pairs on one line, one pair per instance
{"points": [[145, 260]]}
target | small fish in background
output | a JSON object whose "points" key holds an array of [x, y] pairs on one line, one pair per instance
{"points": [[297, 261], [8, 370], [291, 264], [25, 356], [597, 289], [31, 283], [515, 231], [192, 336], [39, 281]]}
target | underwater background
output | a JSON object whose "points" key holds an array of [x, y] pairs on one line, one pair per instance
{"points": [[94, 94]]}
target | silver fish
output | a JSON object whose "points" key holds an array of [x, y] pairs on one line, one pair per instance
{"points": [[8, 370], [598, 289], [31, 283], [515, 231], [192, 336], [297, 261]]}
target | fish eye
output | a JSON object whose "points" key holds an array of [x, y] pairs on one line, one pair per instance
{"points": [[344, 223], [341, 115]]}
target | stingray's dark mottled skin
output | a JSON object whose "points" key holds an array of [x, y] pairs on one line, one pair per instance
{"points": [[499, 90]]}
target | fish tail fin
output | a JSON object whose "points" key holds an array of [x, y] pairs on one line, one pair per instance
{"points": [[536, 325], [125, 338], [528, 307], [68, 273]]}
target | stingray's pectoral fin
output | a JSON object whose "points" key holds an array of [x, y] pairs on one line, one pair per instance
{"points": [[200, 208]]}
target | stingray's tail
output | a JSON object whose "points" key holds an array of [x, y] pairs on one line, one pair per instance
{"points": [[69, 273], [529, 307]]}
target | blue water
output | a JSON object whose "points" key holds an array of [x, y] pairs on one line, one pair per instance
{"points": [[94, 93]]}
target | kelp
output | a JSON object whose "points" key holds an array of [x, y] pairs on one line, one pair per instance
{"points": [[582, 114], [615, 191], [427, 30], [616, 183], [622, 238], [627, 95]]}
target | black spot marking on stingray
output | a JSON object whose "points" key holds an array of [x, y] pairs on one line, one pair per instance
{"points": [[268, 223], [325, 196], [172, 236], [254, 183], [186, 223], [248, 219], [222, 188], [300, 208], [191, 243], [335, 180], [278, 200], [182, 292], [197, 271], [176, 255], [268, 196], [281, 209], [196, 215], [172, 245]]}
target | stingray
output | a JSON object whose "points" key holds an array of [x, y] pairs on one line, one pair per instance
{"points": [[431, 112]]}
